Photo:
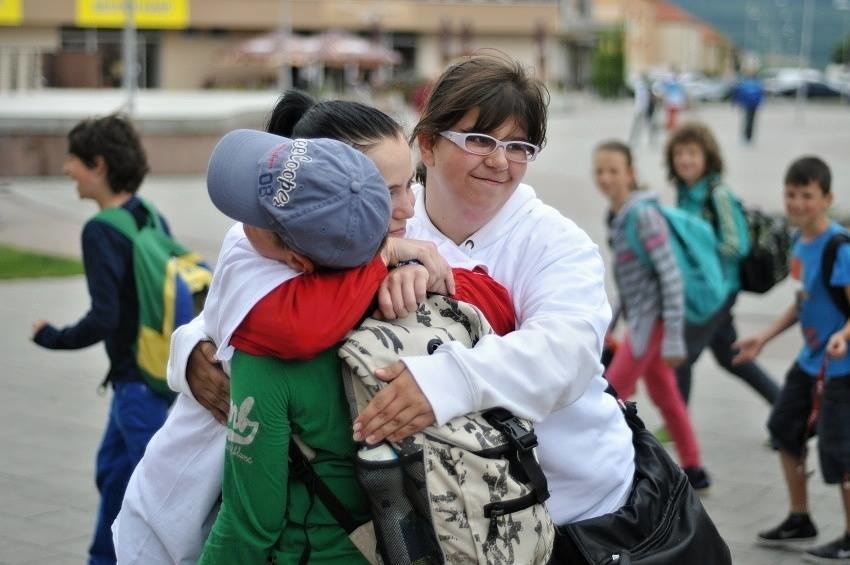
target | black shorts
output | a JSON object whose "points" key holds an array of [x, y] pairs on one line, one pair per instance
{"points": [[790, 414]]}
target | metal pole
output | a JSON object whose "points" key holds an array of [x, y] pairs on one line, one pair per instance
{"points": [[129, 52], [805, 50], [844, 6], [284, 77]]}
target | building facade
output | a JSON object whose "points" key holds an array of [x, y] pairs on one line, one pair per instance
{"points": [[183, 44], [659, 35]]}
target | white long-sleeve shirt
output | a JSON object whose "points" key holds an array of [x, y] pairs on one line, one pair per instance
{"points": [[548, 370], [172, 497]]}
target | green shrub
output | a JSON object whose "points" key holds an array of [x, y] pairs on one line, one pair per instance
{"points": [[608, 64]]}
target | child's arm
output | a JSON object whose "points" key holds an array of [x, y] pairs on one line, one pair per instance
{"points": [[307, 314], [105, 269], [749, 347], [328, 306], [488, 295], [654, 236]]}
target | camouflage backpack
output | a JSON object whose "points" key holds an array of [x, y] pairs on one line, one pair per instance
{"points": [[469, 491]]}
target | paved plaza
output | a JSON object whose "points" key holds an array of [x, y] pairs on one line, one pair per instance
{"points": [[52, 417]]}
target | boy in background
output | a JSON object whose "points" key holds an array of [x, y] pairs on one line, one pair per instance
{"points": [[816, 395], [108, 163]]}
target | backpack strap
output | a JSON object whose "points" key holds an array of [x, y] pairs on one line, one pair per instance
{"points": [[710, 206], [129, 224], [827, 264], [631, 230], [154, 218], [301, 469], [523, 441], [120, 219]]}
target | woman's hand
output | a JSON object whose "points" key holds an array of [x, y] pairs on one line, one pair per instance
{"points": [[208, 381], [399, 410], [440, 278]]}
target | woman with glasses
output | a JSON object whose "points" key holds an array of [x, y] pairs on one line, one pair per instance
{"points": [[483, 123]]}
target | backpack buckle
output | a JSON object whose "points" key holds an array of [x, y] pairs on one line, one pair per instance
{"points": [[508, 424]]}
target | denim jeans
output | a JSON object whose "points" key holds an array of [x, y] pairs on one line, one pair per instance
{"points": [[718, 334], [135, 414]]}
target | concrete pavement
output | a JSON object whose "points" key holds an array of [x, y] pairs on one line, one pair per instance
{"points": [[52, 418]]}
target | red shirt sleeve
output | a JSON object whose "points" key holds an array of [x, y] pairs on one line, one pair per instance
{"points": [[304, 316], [329, 305], [481, 290]]}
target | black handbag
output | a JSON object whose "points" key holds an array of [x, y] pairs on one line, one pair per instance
{"points": [[663, 521]]}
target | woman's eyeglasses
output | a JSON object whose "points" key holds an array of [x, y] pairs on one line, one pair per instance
{"points": [[481, 144]]}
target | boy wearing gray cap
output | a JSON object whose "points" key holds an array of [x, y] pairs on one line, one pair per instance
{"points": [[330, 207]]}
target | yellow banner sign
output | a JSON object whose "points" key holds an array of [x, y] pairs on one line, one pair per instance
{"points": [[10, 12], [159, 14]]}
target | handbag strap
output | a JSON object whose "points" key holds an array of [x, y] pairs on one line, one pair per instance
{"points": [[301, 469]]}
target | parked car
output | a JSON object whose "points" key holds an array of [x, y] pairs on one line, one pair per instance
{"points": [[813, 89], [705, 89]]}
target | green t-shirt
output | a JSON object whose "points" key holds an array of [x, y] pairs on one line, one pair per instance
{"points": [[263, 512]]}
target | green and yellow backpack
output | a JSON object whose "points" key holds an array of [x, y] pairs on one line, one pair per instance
{"points": [[171, 283]]}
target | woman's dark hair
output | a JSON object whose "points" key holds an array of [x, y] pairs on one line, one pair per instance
{"points": [[297, 114], [498, 86], [809, 169], [699, 133], [115, 140], [617, 146]]}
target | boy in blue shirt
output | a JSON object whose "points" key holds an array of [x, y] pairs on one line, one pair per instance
{"points": [[816, 395], [107, 161]]}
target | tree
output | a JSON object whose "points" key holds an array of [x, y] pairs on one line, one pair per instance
{"points": [[841, 51], [608, 66]]}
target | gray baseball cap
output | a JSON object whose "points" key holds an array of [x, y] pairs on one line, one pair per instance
{"points": [[325, 199]]}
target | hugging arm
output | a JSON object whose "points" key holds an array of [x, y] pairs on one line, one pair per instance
{"points": [[282, 333], [546, 364]]}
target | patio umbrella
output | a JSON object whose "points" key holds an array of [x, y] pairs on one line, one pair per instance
{"points": [[339, 49], [273, 49]]}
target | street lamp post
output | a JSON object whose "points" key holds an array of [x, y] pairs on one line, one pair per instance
{"points": [[844, 6], [284, 77], [805, 51], [128, 79]]}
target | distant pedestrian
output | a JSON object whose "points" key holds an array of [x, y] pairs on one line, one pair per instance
{"points": [[674, 97], [106, 159], [816, 394], [652, 298], [644, 108], [695, 166], [748, 93]]}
